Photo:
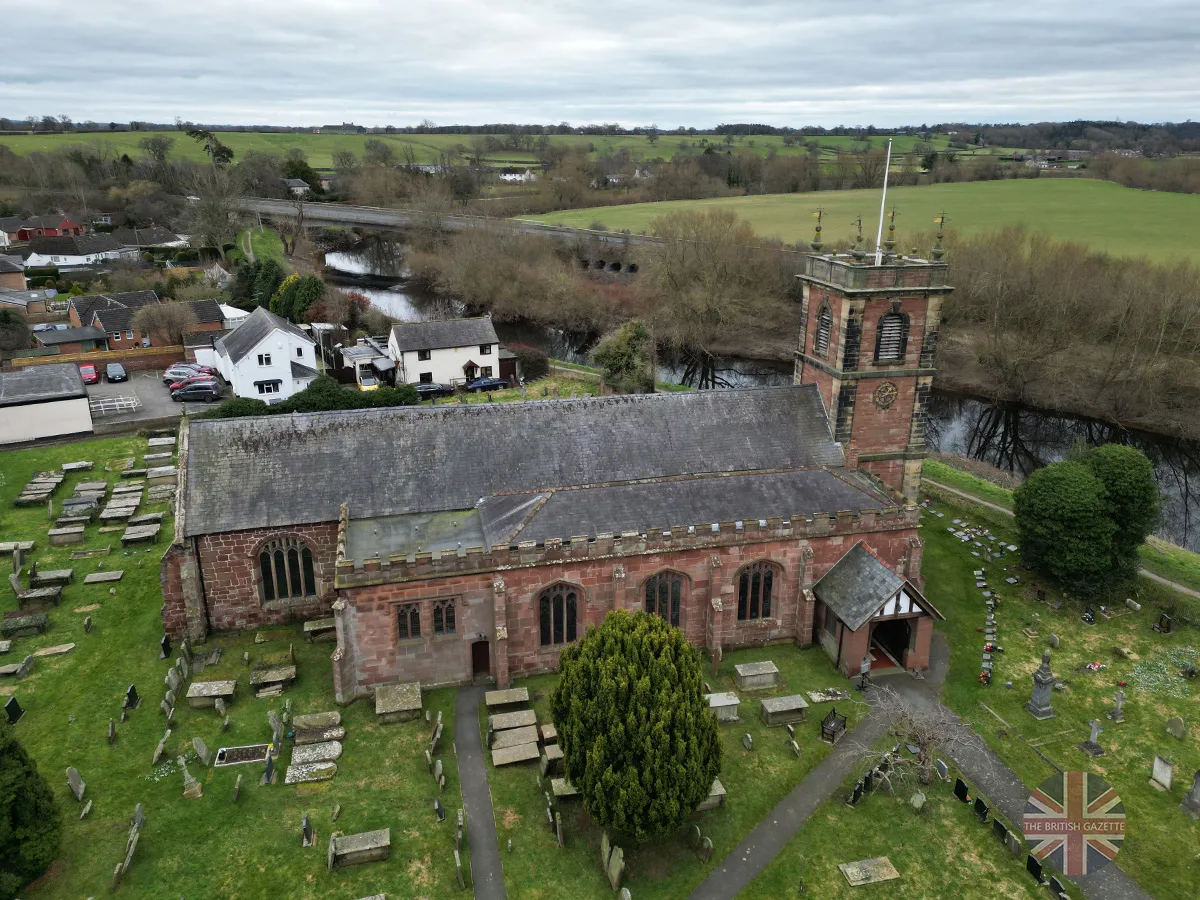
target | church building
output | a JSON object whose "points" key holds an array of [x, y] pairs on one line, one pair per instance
{"points": [[476, 541]]}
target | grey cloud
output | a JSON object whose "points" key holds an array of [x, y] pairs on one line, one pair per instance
{"points": [[670, 62]]}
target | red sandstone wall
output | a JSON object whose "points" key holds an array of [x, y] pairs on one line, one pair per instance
{"points": [[174, 615], [229, 563]]}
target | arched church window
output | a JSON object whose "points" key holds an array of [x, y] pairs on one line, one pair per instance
{"points": [[756, 585], [286, 571], [664, 593], [557, 615]]}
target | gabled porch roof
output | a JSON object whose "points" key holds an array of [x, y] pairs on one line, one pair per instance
{"points": [[860, 587]]}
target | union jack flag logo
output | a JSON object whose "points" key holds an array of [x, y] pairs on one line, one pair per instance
{"points": [[1074, 822]]}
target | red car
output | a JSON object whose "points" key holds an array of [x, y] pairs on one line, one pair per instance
{"points": [[199, 378], [89, 373], [207, 370]]}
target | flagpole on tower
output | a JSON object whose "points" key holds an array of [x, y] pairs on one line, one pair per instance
{"points": [[887, 166]]}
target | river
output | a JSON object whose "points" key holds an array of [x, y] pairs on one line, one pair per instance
{"points": [[1010, 436]]}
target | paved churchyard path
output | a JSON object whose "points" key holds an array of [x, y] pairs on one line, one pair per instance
{"points": [[982, 768], [487, 875]]}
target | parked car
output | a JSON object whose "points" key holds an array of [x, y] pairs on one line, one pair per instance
{"points": [[178, 373], [198, 378], [115, 372], [89, 373], [429, 389], [207, 370], [205, 392], [486, 384]]}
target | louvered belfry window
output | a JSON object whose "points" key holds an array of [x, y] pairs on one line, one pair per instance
{"points": [[893, 335], [824, 326]]}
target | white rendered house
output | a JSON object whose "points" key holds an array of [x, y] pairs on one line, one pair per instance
{"points": [[451, 352], [266, 358]]}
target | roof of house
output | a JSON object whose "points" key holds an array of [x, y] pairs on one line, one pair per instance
{"points": [[299, 370], [209, 338], [11, 224], [10, 297], [242, 472], [56, 220], [83, 245], [69, 335], [857, 585], [207, 311], [9, 265], [154, 236], [41, 384], [115, 312], [251, 331], [448, 333], [296, 183]]}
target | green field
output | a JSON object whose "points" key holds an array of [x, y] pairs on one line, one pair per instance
{"points": [[1103, 215], [426, 147]]}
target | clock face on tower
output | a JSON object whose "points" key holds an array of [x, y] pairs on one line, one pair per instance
{"points": [[885, 395]]}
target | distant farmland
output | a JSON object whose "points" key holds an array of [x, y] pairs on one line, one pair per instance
{"points": [[426, 147], [1102, 215]]}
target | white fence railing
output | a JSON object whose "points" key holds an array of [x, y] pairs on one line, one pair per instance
{"points": [[108, 406]]}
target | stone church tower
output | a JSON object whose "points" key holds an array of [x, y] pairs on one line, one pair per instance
{"points": [[868, 338]]}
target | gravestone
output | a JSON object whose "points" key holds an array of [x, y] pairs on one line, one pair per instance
{"points": [[13, 711], [202, 753], [917, 801], [132, 700], [981, 810], [161, 748], [164, 647], [616, 868], [1115, 713], [458, 869], [1161, 774], [307, 837], [999, 832], [87, 809], [943, 770], [439, 810], [1056, 887], [77, 785], [173, 679], [237, 788], [558, 830], [706, 849], [437, 769], [1091, 745], [169, 699], [221, 708], [1191, 802], [605, 850], [795, 748], [112, 730], [695, 837], [961, 790], [1013, 841], [1175, 727], [1053, 642], [1043, 683], [269, 771], [747, 742], [191, 787], [1033, 867], [856, 796]]}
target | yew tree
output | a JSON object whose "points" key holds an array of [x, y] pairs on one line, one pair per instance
{"points": [[1130, 495], [638, 740], [30, 823]]}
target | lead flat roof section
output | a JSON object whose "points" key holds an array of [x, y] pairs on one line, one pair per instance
{"points": [[41, 384]]}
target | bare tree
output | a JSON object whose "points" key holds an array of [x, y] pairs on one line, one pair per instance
{"points": [[170, 320], [215, 216]]}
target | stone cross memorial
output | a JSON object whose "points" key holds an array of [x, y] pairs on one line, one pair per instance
{"points": [[1043, 683], [1115, 713], [1091, 746]]}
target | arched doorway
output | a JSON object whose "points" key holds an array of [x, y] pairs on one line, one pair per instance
{"points": [[481, 659]]}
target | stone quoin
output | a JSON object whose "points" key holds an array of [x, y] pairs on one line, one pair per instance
{"points": [[458, 542]]}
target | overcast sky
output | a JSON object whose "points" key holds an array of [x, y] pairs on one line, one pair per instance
{"points": [[667, 62]]}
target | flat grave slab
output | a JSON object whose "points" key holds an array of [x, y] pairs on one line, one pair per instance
{"points": [[318, 735], [146, 519], [326, 751], [57, 650], [17, 670], [752, 676], [10, 546], [317, 629], [509, 697], [134, 473], [91, 486], [205, 693], [563, 789], [275, 675], [310, 772], [161, 442], [354, 849], [138, 533], [117, 513], [784, 710], [514, 737], [521, 753], [157, 457], [128, 487], [39, 598], [236, 756], [723, 705], [868, 871], [23, 624], [61, 536], [519, 719], [68, 521], [398, 702], [162, 475], [81, 466], [5, 647], [104, 577], [715, 798], [318, 720], [52, 578]]}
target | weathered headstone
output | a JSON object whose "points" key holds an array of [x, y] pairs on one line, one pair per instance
{"points": [[191, 787], [269, 771], [605, 850], [161, 748], [616, 868], [221, 708], [439, 810], [307, 836], [169, 699], [706, 849], [1161, 774], [1091, 746], [943, 770], [437, 769], [237, 788], [917, 801], [558, 830], [77, 785], [202, 753], [86, 811], [458, 871], [1116, 713], [164, 647], [747, 742], [1043, 684], [112, 730], [132, 700], [1175, 727], [1191, 802], [87, 625], [1014, 844]]}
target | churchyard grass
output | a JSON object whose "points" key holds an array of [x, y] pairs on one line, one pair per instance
{"points": [[971, 484], [942, 852], [1159, 847], [206, 847], [667, 868], [1099, 214]]}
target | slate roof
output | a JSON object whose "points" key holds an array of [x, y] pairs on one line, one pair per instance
{"points": [[299, 370], [207, 311], [69, 335], [83, 245], [409, 336], [11, 224], [41, 384], [857, 585], [244, 473], [114, 312], [249, 334], [154, 236], [9, 266]]}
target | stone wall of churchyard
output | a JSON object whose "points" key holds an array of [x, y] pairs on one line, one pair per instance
{"points": [[373, 652], [232, 579]]}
